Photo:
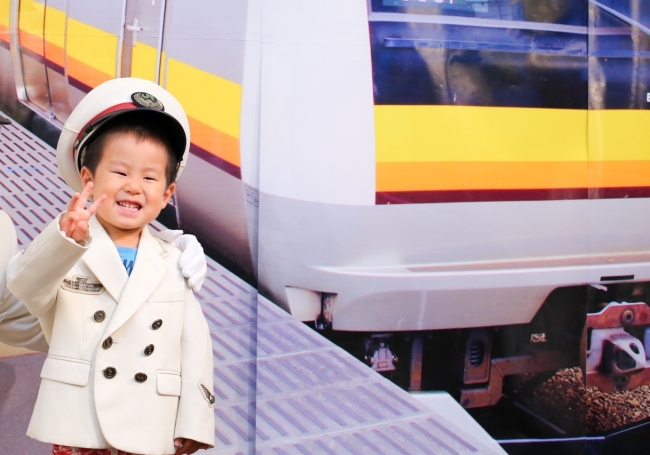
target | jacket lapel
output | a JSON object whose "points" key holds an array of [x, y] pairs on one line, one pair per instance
{"points": [[103, 260], [148, 270]]}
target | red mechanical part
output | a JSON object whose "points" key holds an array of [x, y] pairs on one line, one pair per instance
{"points": [[614, 316], [622, 315]]}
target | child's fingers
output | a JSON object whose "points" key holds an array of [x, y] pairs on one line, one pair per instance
{"points": [[95, 205], [68, 223], [80, 231], [85, 194], [72, 205]]}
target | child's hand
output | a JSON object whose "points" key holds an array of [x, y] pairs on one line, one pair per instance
{"points": [[188, 446], [74, 222]]}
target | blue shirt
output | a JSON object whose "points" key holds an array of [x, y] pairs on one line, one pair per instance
{"points": [[127, 255]]}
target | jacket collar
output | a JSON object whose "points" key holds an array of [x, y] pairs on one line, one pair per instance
{"points": [[129, 292], [103, 260]]}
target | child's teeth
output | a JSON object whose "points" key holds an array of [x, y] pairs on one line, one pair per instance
{"points": [[128, 206]]}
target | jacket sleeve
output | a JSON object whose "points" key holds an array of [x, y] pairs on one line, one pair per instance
{"points": [[17, 326], [195, 418], [34, 276]]}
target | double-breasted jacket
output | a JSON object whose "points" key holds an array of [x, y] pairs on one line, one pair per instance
{"points": [[130, 358]]}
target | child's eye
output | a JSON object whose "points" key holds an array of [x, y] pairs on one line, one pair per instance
{"points": [[119, 173], [153, 179]]}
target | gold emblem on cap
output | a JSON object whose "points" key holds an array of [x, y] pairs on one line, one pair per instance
{"points": [[147, 100]]}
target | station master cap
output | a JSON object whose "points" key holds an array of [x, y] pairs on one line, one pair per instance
{"points": [[118, 98]]}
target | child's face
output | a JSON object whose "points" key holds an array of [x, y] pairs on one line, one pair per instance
{"points": [[132, 176]]}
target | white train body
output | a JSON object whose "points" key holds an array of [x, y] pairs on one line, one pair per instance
{"points": [[296, 91]]}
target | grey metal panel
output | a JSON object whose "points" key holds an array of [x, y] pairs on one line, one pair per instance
{"points": [[208, 34], [102, 14], [35, 81], [280, 387], [61, 5], [7, 82]]}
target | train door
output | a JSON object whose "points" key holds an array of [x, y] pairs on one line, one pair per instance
{"points": [[31, 17], [143, 30]]}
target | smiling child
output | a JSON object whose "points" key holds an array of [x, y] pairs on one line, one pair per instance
{"points": [[129, 369]]}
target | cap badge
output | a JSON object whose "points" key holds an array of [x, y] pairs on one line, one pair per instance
{"points": [[147, 100]]}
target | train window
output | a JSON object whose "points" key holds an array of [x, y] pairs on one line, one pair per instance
{"points": [[619, 47], [565, 12], [614, 33]]}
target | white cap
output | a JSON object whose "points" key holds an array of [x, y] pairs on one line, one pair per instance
{"points": [[118, 98]]}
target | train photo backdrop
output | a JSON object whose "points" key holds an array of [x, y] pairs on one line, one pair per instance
{"points": [[454, 192]]}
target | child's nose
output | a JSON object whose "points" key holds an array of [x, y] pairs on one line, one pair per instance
{"points": [[133, 185]]}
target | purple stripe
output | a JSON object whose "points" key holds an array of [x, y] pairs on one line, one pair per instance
{"points": [[619, 193], [31, 54], [76, 83], [39, 58], [55, 67], [424, 197], [222, 164]]}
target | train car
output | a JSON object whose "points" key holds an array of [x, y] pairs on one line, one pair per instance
{"points": [[430, 178]]}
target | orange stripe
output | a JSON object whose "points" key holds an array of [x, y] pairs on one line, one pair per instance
{"points": [[480, 175], [511, 175], [4, 33], [611, 174], [55, 54], [214, 141], [32, 42], [86, 74]]}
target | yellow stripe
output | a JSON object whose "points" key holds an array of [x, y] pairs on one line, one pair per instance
{"points": [[5, 9], [469, 133], [143, 62], [31, 17], [616, 135], [94, 47], [55, 26], [208, 98]]}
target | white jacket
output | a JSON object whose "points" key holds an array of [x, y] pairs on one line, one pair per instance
{"points": [[130, 359]]}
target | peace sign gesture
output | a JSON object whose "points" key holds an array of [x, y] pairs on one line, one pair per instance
{"points": [[74, 222]]}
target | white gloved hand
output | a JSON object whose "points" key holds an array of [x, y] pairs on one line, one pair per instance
{"points": [[192, 261]]}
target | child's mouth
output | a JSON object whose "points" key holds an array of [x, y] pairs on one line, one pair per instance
{"points": [[129, 206]]}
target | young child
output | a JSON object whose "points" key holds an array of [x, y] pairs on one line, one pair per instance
{"points": [[129, 366]]}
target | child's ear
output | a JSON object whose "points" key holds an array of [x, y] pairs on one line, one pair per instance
{"points": [[168, 193], [86, 175]]}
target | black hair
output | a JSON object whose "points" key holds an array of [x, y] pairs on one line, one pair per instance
{"points": [[143, 128]]}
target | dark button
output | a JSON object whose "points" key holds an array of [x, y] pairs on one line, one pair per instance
{"points": [[140, 377], [148, 350], [156, 324], [108, 342], [99, 316], [110, 372]]}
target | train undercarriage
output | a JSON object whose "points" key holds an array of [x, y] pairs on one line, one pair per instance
{"points": [[603, 329]]}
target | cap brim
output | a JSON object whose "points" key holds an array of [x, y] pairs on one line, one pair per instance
{"points": [[173, 129]]}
